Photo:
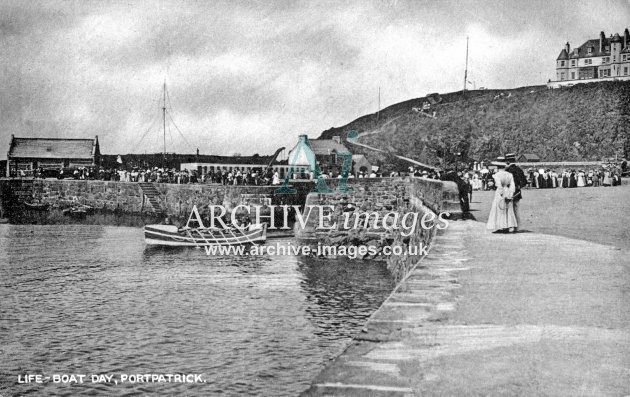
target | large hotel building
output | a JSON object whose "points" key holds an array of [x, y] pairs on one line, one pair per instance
{"points": [[606, 58]]}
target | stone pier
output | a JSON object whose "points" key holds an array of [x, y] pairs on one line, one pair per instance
{"points": [[496, 314]]}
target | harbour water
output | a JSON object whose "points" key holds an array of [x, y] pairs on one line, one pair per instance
{"points": [[78, 299]]}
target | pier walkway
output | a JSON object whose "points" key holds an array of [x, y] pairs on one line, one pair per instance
{"points": [[497, 314]]}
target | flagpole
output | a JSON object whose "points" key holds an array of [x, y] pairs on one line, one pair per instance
{"points": [[164, 125], [466, 69]]}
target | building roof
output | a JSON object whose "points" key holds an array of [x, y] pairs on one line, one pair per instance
{"points": [[529, 157], [53, 148], [594, 44], [563, 55], [582, 51], [326, 146]]}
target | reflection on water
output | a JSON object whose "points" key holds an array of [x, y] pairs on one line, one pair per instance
{"points": [[92, 300]]}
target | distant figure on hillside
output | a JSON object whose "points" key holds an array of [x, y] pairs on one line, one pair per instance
{"points": [[502, 215]]}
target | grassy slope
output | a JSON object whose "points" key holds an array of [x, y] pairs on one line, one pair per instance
{"points": [[584, 122]]}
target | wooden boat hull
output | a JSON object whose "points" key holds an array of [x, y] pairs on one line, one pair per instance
{"points": [[168, 235]]}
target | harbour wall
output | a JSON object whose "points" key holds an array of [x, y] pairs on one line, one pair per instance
{"points": [[173, 199], [135, 204], [125, 199], [379, 205]]}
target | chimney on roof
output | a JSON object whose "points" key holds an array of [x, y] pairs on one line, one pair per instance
{"points": [[567, 47], [602, 37], [626, 38]]}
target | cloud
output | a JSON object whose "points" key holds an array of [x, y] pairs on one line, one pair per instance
{"points": [[250, 76]]}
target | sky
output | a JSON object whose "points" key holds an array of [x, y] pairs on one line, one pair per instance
{"points": [[250, 76]]}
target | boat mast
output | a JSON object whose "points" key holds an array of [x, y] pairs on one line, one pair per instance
{"points": [[164, 125], [466, 69]]}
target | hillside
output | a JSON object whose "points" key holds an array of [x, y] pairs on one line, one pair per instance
{"points": [[583, 122]]}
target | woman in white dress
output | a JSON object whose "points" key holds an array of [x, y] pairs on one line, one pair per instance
{"points": [[502, 211], [581, 179]]}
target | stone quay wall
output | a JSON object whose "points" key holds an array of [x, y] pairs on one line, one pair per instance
{"points": [[392, 199], [128, 196], [117, 197], [379, 195]]}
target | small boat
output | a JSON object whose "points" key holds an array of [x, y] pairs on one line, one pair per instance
{"points": [[195, 234]]}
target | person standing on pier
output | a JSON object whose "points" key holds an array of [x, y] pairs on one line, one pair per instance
{"points": [[502, 215], [520, 181]]}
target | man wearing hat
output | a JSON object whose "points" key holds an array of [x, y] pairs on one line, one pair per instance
{"points": [[520, 181]]}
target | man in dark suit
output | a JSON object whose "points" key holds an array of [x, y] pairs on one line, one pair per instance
{"points": [[520, 181]]}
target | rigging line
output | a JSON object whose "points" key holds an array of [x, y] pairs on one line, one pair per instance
{"points": [[146, 131], [170, 135], [170, 105], [150, 126], [178, 130], [144, 135]]}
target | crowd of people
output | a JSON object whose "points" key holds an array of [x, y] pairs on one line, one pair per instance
{"points": [[508, 179], [474, 180], [245, 176], [160, 175], [549, 179], [164, 175]]}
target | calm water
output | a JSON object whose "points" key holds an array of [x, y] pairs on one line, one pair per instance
{"points": [[92, 300]]}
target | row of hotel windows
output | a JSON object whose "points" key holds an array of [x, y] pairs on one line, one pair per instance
{"points": [[605, 60], [602, 73]]}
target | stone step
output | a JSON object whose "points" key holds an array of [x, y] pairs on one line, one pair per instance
{"points": [[153, 195]]}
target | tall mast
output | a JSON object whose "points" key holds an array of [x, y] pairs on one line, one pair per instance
{"points": [[164, 125], [466, 69]]}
